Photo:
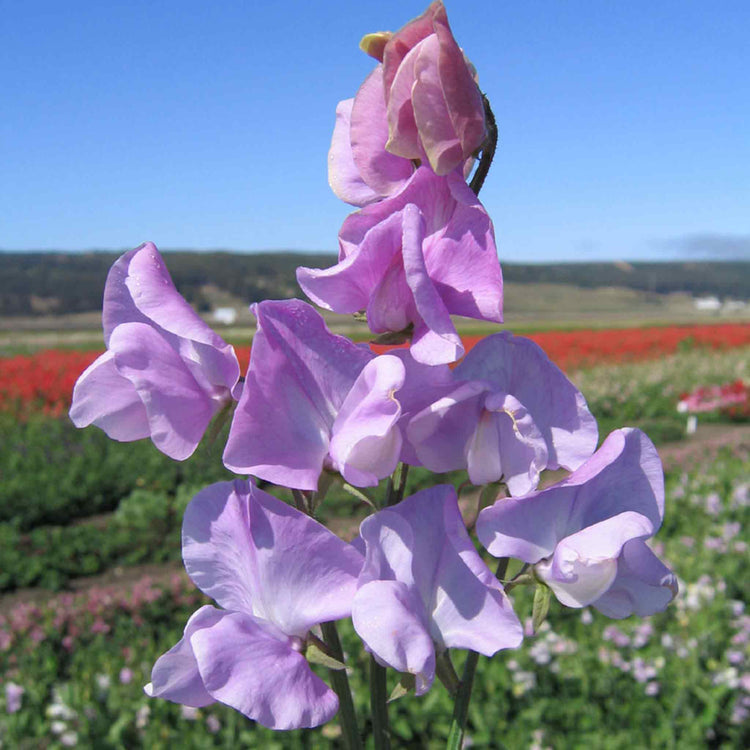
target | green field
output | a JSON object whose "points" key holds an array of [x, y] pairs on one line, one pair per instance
{"points": [[75, 505]]}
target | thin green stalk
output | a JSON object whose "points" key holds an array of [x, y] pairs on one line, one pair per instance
{"points": [[461, 706], [463, 696], [379, 706], [340, 683], [488, 149]]}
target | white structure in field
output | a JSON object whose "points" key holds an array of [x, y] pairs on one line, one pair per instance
{"points": [[225, 315]]}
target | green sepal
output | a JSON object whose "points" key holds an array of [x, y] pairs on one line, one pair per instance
{"points": [[407, 682], [540, 608], [316, 655]]}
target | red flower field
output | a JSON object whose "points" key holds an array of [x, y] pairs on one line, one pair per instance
{"points": [[44, 381]]}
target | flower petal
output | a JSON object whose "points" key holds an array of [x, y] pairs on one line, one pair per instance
{"points": [[175, 675], [177, 408], [389, 617], [518, 366], [343, 174], [366, 441], [250, 667], [298, 378], [103, 397], [255, 554], [643, 585]]}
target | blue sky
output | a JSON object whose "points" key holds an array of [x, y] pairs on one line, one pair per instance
{"points": [[624, 127]]}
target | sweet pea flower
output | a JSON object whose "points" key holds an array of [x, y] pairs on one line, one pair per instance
{"points": [[424, 588], [415, 259], [314, 401], [165, 373], [586, 536], [511, 414], [275, 573], [434, 107]]}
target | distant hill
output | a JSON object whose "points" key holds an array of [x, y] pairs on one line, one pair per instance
{"points": [[36, 283]]}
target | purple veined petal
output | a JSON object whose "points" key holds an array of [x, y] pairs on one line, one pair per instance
{"points": [[344, 176], [506, 444], [298, 364], [348, 286], [389, 617], [366, 441], [177, 408], [432, 117], [105, 398], [643, 585], [380, 170], [441, 432], [462, 259], [247, 664], [435, 342], [175, 675], [255, 554], [584, 564], [518, 366]]}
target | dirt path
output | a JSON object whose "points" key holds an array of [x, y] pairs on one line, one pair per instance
{"points": [[706, 442]]}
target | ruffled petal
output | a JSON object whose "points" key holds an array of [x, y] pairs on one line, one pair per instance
{"points": [[389, 617], [519, 367], [643, 585], [253, 668], [343, 174], [366, 441], [298, 378], [103, 397], [175, 675], [177, 408], [255, 554]]}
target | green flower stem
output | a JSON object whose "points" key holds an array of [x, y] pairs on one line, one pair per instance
{"points": [[461, 706], [340, 683], [488, 149], [379, 706], [463, 696]]}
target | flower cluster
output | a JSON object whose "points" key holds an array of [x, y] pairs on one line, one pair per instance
{"points": [[314, 408]]}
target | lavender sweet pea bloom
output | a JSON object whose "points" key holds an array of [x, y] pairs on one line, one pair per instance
{"points": [[276, 573], [511, 414], [434, 106], [165, 372], [314, 401], [416, 259], [424, 588], [586, 535]]}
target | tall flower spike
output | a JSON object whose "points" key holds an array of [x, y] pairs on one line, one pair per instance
{"points": [[586, 536], [275, 573], [424, 588], [313, 400], [165, 372], [416, 259]]}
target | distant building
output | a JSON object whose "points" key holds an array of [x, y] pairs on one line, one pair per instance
{"points": [[707, 304], [225, 315]]}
